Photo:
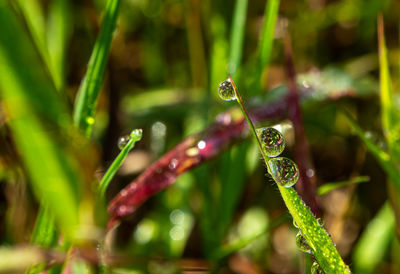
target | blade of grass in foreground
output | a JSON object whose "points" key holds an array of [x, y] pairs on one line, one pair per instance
{"points": [[316, 236], [90, 87], [28, 99]]}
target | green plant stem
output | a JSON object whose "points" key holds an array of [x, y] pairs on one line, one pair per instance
{"points": [[317, 237], [136, 135], [246, 115], [90, 87]]}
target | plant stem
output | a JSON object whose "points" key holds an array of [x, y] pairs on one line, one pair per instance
{"points": [[247, 117]]}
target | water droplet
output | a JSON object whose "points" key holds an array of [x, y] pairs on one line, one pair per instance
{"points": [[302, 244], [316, 268], [284, 171], [320, 222], [272, 141], [137, 133], [226, 91], [295, 224], [122, 141]]}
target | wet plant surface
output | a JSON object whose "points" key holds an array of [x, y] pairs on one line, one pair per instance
{"points": [[206, 136]]}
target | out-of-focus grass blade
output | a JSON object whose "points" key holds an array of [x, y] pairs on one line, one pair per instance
{"points": [[372, 246], [58, 34], [90, 87], [382, 157], [328, 187], [135, 136], [268, 29], [234, 246], [233, 178], [390, 115], [44, 233], [219, 50], [237, 36], [29, 99], [35, 21]]}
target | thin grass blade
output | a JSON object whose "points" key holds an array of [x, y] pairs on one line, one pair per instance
{"points": [[90, 87], [59, 30], [237, 37], [135, 136], [328, 187], [382, 156], [267, 33]]}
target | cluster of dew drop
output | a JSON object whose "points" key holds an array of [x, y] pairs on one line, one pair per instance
{"points": [[283, 170]]}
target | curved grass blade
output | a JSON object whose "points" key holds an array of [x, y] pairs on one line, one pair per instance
{"points": [[135, 136], [90, 87], [33, 107], [317, 237]]}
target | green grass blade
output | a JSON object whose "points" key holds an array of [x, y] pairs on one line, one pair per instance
{"points": [[382, 156], [268, 30], [237, 37], [58, 33], [328, 187], [90, 87], [29, 98], [233, 175], [35, 21], [44, 233], [390, 115], [374, 242], [317, 237], [135, 136]]}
